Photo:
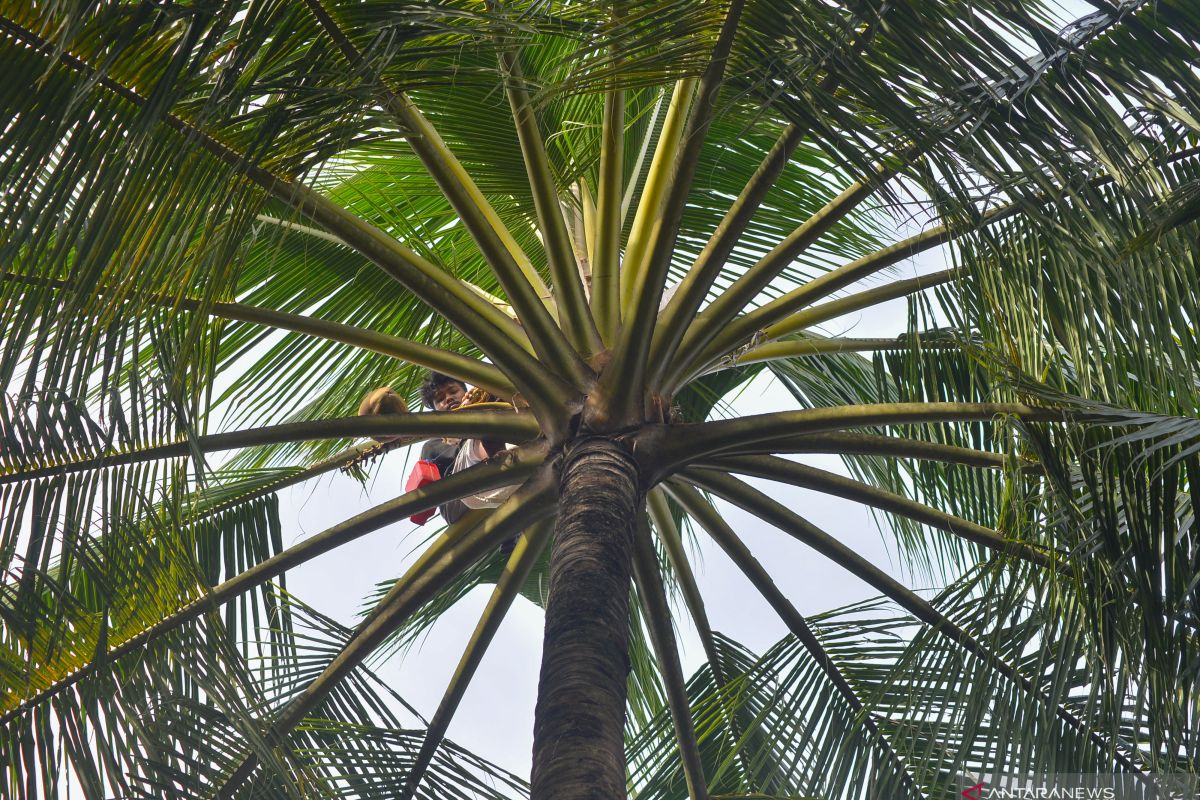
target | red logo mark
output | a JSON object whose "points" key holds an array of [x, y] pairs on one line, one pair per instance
{"points": [[974, 793]]}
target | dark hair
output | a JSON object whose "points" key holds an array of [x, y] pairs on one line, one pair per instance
{"points": [[433, 381]]}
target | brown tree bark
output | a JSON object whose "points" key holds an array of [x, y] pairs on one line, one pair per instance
{"points": [[579, 720]]}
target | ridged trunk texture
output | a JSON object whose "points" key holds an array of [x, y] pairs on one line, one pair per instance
{"points": [[579, 720]]}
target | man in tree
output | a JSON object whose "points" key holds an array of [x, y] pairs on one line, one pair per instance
{"points": [[441, 392], [438, 393]]}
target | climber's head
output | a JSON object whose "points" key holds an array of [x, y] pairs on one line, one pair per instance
{"points": [[441, 392]]}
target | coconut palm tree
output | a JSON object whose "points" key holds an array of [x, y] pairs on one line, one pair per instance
{"points": [[223, 223]]}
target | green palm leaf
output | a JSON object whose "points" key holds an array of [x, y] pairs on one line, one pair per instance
{"points": [[222, 225]]}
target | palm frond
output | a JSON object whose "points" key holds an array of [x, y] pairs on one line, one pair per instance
{"points": [[221, 226]]}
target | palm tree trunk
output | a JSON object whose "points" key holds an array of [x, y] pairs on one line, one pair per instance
{"points": [[579, 720]]}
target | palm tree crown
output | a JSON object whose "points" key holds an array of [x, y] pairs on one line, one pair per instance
{"points": [[223, 224]]}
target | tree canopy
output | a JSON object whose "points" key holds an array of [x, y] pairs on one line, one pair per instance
{"points": [[222, 224]]}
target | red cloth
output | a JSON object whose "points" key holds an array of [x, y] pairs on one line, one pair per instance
{"points": [[424, 472]]}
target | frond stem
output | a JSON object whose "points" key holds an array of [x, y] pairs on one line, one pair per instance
{"points": [[775, 312], [494, 333], [650, 205], [524, 556], [666, 448], [493, 424], [815, 346], [520, 280], [662, 638], [482, 477], [646, 270], [757, 503], [574, 312], [703, 512], [682, 307], [668, 533], [867, 444], [442, 562], [712, 323], [470, 370], [746, 327], [780, 469], [606, 265]]}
